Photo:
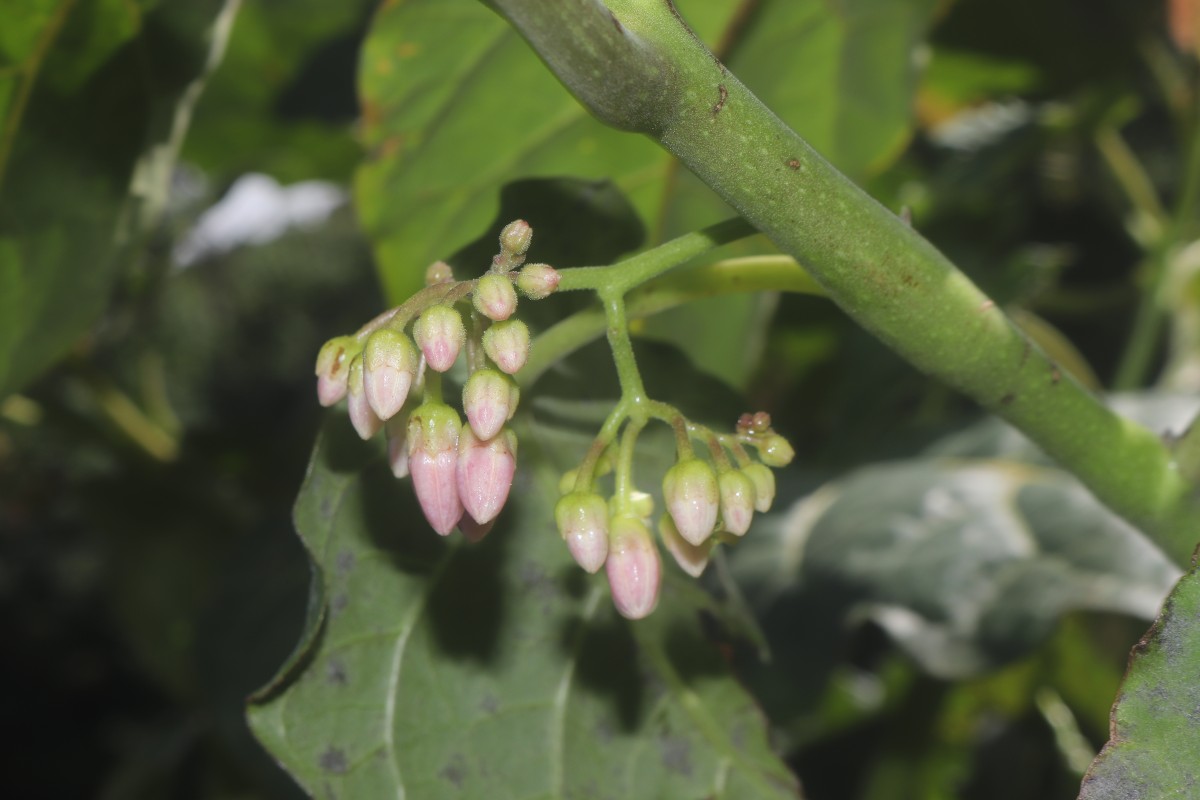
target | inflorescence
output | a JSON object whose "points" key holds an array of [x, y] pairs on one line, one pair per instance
{"points": [[462, 474]]}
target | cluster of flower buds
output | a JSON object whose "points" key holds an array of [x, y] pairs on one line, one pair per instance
{"points": [[707, 503], [461, 473]]}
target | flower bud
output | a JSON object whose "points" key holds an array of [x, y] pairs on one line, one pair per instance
{"points": [[764, 485], [474, 531], [507, 344], [485, 473], [582, 519], [775, 451], [633, 566], [333, 368], [397, 439], [362, 416], [440, 334], [692, 497], [566, 483], [433, 430], [691, 558], [438, 272], [737, 501], [495, 297], [486, 398], [516, 238], [538, 281], [390, 365], [642, 504]]}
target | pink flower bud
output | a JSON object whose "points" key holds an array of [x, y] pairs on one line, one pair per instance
{"points": [[333, 368], [764, 485], [737, 501], [634, 569], [487, 398], [507, 343], [362, 416], [438, 272], [485, 473], [440, 334], [516, 238], [582, 519], [433, 430], [692, 497], [474, 531], [775, 451], [691, 558], [495, 297], [397, 439], [538, 281], [390, 363]]}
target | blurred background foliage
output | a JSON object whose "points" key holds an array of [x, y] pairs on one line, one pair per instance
{"points": [[156, 406]]}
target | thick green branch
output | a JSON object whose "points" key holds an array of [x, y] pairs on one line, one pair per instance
{"points": [[887, 277]]}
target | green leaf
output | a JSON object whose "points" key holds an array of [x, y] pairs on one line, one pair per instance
{"points": [[1155, 746], [967, 564], [102, 98], [455, 105], [496, 670]]}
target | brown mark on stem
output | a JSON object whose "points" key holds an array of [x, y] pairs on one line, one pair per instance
{"points": [[617, 23], [1055, 375], [722, 96]]}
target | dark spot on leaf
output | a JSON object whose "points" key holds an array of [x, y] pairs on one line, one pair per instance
{"points": [[333, 760], [676, 754], [1007, 399], [793, 163], [345, 561], [335, 672], [455, 770]]}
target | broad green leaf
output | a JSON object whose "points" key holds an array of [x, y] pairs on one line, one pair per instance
{"points": [[442, 669], [455, 104], [293, 120], [103, 97], [967, 564], [1155, 746]]}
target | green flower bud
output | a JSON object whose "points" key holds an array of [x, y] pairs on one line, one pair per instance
{"points": [[693, 498], [507, 344], [582, 519], [495, 297], [516, 238], [775, 451], [764, 485], [538, 281]]}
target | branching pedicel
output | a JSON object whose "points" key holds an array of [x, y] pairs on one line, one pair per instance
{"points": [[462, 474]]}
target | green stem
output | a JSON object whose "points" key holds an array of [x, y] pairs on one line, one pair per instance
{"points": [[730, 276], [635, 271], [1134, 181], [632, 390], [881, 272]]}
